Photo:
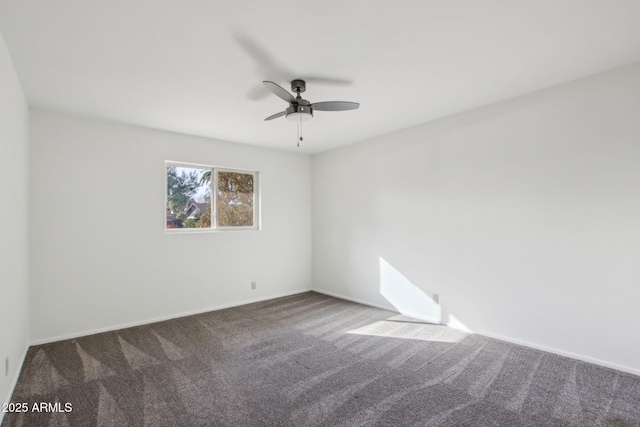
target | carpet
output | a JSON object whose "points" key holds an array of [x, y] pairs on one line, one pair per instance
{"points": [[312, 360]]}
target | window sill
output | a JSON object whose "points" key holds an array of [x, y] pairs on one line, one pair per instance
{"points": [[208, 230]]}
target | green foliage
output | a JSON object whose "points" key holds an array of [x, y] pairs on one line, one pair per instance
{"points": [[205, 219], [189, 223], [235, 199], [180, 189], [205, 178]]}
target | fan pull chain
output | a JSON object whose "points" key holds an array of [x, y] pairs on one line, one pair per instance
{"points": [[299, 130]]}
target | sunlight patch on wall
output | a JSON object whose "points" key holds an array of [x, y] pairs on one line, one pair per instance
{"points": [[454, 322], [406, 297]]}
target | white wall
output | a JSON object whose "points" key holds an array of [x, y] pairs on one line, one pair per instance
{"points": [[524, 216], [14, 213], [100, 257]]}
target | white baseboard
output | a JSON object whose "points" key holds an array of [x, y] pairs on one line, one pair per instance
{"points": [[424, 318], [163, 318], [15, 381], [552, 350], [381, 307], [370, 304], [564, 353]]}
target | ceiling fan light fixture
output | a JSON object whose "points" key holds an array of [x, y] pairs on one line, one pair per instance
{"points": [[297, 113]]}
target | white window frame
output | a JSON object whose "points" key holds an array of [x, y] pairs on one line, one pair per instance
{"points": [[214, 198]]}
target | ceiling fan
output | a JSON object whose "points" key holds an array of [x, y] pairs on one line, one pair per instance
{"points": [[300, 109]]}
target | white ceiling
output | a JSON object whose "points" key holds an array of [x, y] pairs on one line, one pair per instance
{"points": [[196, 66]]}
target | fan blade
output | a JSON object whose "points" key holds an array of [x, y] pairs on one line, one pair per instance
{"points": [[264, 63], [279, 91], [334, 106], [276, 115]]}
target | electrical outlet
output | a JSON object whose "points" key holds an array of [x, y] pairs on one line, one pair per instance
{"points": [[436, 299], [253, 284], [6, 366]]}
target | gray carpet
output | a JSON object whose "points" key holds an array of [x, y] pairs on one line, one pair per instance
{"points": [[313, 360]]}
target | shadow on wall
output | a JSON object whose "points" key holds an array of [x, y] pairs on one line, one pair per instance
{"points": [[411, 300]]}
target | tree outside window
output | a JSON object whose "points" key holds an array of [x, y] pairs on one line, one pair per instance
{"points": [[190, 198]]}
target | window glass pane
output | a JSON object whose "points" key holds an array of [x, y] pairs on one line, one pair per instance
{"points": [[235, 199], [188, 197]]}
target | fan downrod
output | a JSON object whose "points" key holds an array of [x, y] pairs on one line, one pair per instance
{"points": [[298, 86]]}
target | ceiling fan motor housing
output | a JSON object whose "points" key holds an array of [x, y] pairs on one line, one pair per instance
{"points": [[298, 86]]}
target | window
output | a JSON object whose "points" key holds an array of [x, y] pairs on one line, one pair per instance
{"points": [[210, 198]]}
